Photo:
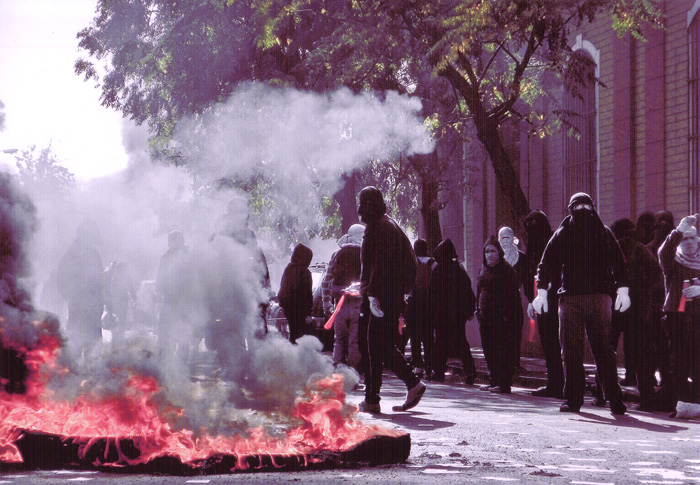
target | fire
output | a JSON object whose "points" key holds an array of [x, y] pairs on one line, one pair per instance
{"points": [[322, 421]]}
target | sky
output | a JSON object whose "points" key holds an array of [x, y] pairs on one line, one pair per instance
{"points": [[45, 102]]}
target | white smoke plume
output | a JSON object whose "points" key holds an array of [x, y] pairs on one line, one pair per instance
{"points": [[297, 139]]}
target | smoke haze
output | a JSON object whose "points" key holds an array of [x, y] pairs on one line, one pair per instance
{"points": [[298, 141]]}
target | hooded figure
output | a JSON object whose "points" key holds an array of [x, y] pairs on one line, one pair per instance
{"points": [[587, 256], [417, 314], [498, 312], [679, 256], [644, 229], [539, 232], [646, 283], [452, 303], [663, 225], [388, 273], [344, 269], [295, 296]]}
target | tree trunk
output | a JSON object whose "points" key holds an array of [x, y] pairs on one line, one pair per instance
{"points": [[429, 199], [487, 132], [345, 198]]}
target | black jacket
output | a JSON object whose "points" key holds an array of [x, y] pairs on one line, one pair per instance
{"points": [[295, 294], [452, 299]]}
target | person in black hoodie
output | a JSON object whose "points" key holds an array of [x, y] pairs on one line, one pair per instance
{"points": [[499, 314], [417, 312], [586, 254], [388, 273], [539, 232], [295, 296], [452, 303]]}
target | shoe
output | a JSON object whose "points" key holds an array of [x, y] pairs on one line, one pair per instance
{"points": [[486, 387], [413, 397], [365, 407], [599, 402], [568, 408], [500, 389], [547, 392], [618, 408]]}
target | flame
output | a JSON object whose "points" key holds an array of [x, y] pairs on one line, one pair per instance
{"points": [[322, 421]]}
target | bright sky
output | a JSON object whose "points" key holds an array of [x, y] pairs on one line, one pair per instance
{"points": [[45, 102]]}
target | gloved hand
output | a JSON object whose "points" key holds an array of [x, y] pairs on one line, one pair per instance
{"points": [[539, 304], [530, 311], [692, 291], [622, 302], [687, 222], [375, 308]]}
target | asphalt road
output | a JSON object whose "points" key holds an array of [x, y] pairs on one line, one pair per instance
{"points": [[462, 434]]}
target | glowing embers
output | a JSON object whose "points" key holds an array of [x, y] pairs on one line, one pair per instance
{"points": [[131, 432]]}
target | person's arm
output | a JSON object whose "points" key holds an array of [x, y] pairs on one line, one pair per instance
{"points": [[620, 270]]}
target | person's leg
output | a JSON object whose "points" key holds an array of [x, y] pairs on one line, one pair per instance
{"points": [[353, 352], [548, 327], [641, 346], [572, 335], [373, 374], [341, 337]]}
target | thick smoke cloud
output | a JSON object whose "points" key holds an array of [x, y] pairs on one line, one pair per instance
{"points": [[297, 139]]}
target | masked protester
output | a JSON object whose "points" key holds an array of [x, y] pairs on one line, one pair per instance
{"points": [[295, 296], [679, 256], [417, 312], [388, 273], [586, 254], [516, 258], [539, 232], [344, 268], [498, 303], [452, 303]]}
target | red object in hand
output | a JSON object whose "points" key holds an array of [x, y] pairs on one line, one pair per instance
{"points": [[681, 305], [329, 323], [402, 324], [531, 336]]}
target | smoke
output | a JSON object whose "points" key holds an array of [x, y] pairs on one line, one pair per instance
{"points": [[2, 116], [207, 345]]}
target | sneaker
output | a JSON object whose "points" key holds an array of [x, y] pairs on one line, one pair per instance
{"points": [[365, 407], [413, 397], [618, 408]]}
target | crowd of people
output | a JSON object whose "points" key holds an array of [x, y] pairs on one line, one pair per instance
{"points": [[583, 281]]}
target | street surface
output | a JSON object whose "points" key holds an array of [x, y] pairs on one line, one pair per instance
{"points": [[462, 434]]}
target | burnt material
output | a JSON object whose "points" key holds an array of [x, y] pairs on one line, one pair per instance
{"points": [[13, 370], [52, 452]]}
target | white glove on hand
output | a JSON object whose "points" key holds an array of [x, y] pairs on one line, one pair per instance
{"points": [[691, 292], [539, 304], [622, 302], [686, 223], [530, 311], [375, 308]]}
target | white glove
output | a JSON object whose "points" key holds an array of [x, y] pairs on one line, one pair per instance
{"points": [[691, 292], [539, 304], [530, 311], [686, 223], [375, 308], [622, 302]]}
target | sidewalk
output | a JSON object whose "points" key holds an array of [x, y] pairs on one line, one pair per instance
{"points": [[532, 376]]}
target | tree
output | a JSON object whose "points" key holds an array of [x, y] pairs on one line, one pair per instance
{"points": [[42, 173], [491, 54]]}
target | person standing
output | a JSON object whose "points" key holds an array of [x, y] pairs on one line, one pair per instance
{"points": [[679, 256], [295, 296], [344, 268], [499, 314], [539, 231], [417, 312], [452, 303], [586, 254], [516, 258], [388, 273]]}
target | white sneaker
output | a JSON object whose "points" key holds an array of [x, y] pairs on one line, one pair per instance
{"points": [[412, 398]]}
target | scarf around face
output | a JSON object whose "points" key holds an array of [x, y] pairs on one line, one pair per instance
{"points": [[511, 253], [691, 261]]}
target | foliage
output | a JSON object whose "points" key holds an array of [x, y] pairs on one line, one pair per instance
{"points": [[41, 172]]}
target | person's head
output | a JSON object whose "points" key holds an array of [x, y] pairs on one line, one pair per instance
{"points": [[690, 242], [664, 224], [623, 228], [581, 209], [176, 240], [645, 227], [372, 206], [506, 238], [493, 253], [420, 247]]}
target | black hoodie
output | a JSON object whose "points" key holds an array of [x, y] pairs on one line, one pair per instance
{"points": [[498, 290], [295, 294], [452, 299]]}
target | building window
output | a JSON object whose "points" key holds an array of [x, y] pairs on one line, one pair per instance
{"points": [[580, 137], [694, 113]]}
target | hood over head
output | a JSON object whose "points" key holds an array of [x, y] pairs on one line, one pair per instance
{"points": [[420, 247], [623, 228], [445, 251], [536, 224], [302, 255], [372, 206]]}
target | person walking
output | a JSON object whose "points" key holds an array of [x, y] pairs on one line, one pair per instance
{"points": [[388, 273], [586, 254]]}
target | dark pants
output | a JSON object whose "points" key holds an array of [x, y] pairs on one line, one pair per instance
{"points": [[685, 356], [383, 351], [451, 341], [622, 328], [548, 328], [487, 342], [297, 324], [581, 316], [362, 335]]}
